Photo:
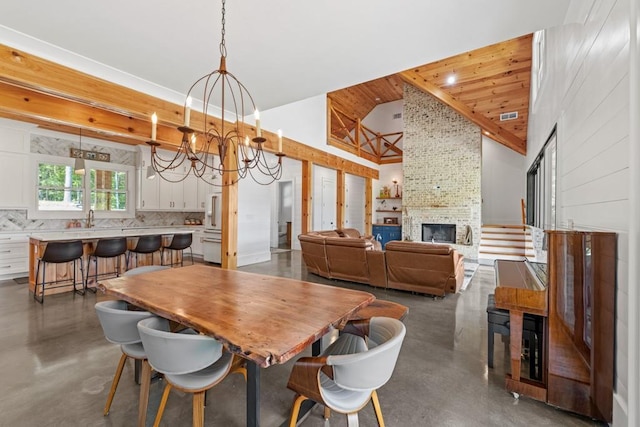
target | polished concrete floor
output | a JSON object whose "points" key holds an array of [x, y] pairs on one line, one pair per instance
{"points": [[56, 367]]}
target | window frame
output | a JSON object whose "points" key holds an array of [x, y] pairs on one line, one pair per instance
{"points": [[541, 208], [35, 213]]}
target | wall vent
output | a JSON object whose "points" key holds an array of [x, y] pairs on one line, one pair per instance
{"points": [[508, 116], [397, 116]]}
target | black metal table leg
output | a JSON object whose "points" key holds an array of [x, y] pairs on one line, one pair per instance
{"points": [[253, 394], [137, 363]]}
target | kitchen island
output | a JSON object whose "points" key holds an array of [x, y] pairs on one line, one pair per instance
{"points": [[89, 237]]}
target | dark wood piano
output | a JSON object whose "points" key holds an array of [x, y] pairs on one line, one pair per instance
{"points": [[575, 294], [520, 290]]}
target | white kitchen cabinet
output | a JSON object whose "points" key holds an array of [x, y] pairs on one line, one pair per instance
{"points": [[190, 193], [14, 255], [204, 190], [171, 193], [14, 168], [158, 194], [197, 243], [148, 191]]}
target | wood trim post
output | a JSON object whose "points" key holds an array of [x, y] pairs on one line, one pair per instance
{"points": [[340, 199], [307, 196], [368, 206], [230, 213]]}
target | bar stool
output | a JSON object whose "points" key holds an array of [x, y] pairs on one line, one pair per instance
{"points": [[498, 323], [106, 248], [146, 245], [179, 242], [58, 253]]}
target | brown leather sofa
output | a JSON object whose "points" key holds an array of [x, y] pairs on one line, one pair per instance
{"points": [[411, 266], [344, 254], [424, 267]]}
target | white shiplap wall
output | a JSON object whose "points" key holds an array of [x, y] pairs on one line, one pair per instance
{"points": [[585, 92]]}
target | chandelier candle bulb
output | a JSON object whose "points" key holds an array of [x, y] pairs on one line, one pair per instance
{"points": [[279, 140], [187, 112], [154, 125], [193, 143]]}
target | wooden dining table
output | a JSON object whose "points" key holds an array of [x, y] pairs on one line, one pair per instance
{"points": [[267, 320]]}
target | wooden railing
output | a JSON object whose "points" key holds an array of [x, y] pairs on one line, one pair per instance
{"points": [[349, 134]]}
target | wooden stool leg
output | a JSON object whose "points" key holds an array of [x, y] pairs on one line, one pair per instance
{"points": [[163, 403], [377, 408], [114, 383], [295, 410], [198, 409], [144, 393]]}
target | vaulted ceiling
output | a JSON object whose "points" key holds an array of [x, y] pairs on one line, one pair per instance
{"points": [[489, 82]]}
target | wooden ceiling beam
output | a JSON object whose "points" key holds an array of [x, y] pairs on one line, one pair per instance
{"points": [[413, 77], [51, 95]]}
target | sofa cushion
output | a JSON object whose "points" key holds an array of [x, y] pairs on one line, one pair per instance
{"points": [[349, 232], [418, 247]]}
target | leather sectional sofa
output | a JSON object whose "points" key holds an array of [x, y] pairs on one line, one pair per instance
{"points": [[412, 266], [344, 254]]}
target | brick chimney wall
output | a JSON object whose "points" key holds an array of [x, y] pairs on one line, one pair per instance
{"points": [[442, 170]]}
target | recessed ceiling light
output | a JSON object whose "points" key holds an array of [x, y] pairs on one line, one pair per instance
{"points": [[451, 79], [377, 99]]}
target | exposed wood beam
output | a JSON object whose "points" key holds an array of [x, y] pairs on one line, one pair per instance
{"points": [[502, 136], [117, 113]]}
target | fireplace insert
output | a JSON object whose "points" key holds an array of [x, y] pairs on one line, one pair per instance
{"points": [[439, 233]]}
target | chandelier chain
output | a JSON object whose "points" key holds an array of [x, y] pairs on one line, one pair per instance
{"points": [[223, 46]]}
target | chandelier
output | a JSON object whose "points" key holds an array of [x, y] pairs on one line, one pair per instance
{"points": [[198, 146]]}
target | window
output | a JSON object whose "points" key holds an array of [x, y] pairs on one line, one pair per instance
{"points": [[538, 63], [59, 188], [541, 187], [107, 188]]}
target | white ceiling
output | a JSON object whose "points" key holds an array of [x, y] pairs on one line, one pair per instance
{"points": [[282, 50]]}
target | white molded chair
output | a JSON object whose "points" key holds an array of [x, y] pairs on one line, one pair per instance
{"points": [[145, 269], [120, 327], [348, 373], [191, 363]]}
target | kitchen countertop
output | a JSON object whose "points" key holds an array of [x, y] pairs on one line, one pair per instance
{"points": [[98, 233]]}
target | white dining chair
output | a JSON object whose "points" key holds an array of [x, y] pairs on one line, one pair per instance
{"points": [[190, 362], [348, 373], [119, 325]]}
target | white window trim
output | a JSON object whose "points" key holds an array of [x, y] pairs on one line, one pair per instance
{"points": [[34, 213]]}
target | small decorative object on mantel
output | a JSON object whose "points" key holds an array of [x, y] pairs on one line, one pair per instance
{"points": [[395, 182]]}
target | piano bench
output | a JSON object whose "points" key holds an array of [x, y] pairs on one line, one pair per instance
{"points": [[498, 323]]}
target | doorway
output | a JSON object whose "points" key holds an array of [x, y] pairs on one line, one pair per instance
{"points": [[285, 214]]}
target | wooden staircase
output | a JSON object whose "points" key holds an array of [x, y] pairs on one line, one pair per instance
{"points": [[508, 242]]}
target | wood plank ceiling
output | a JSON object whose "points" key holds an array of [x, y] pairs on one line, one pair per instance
{"points": [[489, 81]]}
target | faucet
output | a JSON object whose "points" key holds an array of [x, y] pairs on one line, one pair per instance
{"points": [[89, 221]]}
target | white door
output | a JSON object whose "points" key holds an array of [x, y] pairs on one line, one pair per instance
{"points": [[285, 213], [354, 202], [328, 211]]}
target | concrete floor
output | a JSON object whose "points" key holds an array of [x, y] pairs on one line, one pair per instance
{"points": [[56, 367]]}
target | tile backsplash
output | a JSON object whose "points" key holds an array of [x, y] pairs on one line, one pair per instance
{"points": [[16, 220]]}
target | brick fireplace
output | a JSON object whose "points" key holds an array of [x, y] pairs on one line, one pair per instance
{"points": [[442, 171]]}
